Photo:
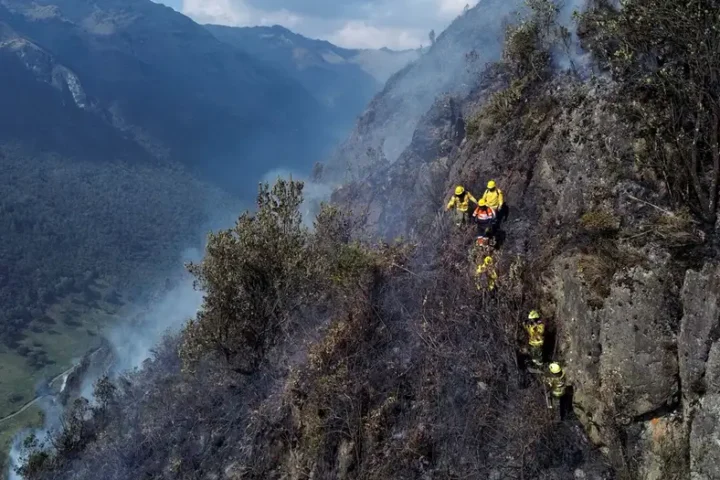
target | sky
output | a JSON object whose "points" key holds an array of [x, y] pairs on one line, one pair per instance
{"points": [[396, 24]]}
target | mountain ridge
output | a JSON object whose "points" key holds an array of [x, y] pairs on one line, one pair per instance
{"points": [[343, 80], [223, 90]]}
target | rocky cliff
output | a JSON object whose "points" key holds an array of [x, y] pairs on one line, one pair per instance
{"points": [[628, 279]]}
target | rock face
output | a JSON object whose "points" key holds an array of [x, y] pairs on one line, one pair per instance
{"points": [[699, 355], [622, 364], [637, 324]]}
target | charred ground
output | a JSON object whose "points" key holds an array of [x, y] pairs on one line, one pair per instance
{"points": [[329, 354]]}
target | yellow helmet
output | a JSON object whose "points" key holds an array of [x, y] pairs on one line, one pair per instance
{"points": [[555, 368], [534, 315], [488, 260], [459, 190], [482, 202], [491, 184]]}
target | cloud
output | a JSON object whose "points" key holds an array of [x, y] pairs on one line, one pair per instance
{"points": [[397, 24], [358, 34]]}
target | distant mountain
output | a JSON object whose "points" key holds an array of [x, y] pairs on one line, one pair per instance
{"points": [[452, 65], [135, 72], [118, 120], [343, 80]]}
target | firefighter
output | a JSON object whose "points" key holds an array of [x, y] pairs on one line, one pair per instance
{"points": [[535, 328], [555, 380], [485, 217], [461, 201], [487, 269], [493, 197]]}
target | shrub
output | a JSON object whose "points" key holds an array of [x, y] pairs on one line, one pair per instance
{"points": [[664, 55], [600, 222], [253, 274], [526, 59], [258, 275]]}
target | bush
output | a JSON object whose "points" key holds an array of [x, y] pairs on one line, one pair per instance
{"points": [[526, 60], [664, 55], [266, 269], [600, 222], [254, 275]]}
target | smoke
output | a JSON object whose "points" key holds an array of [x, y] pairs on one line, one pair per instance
{"points": [[53, 413], [168, 302], [453, 65], [132, 342], [573, 57]]}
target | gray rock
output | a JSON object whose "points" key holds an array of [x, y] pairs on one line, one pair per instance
{"points": [[699, 352], [705, 440], [637, 356], [701, 320], [621, 362]]}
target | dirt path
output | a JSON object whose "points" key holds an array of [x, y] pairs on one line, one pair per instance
{"points": [[36, 399]]}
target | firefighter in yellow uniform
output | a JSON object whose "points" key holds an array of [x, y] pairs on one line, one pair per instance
{"points": [[487, 269], [555, 380], [535, 329], [461, 201], [493, 197]]}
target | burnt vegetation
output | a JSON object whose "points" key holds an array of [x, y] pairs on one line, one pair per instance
{"points": [[664, 55], [317, 354], [322, 353]]}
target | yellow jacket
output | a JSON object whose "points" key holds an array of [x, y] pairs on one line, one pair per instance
{"points": [[536, 332], [556, 382], [493, 199], [491, 275], [462, 202]]}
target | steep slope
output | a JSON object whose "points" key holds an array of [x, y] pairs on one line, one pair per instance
{"points": [[596, 237], [395, 360], [343, 80], [452, 65], [157, 77]]}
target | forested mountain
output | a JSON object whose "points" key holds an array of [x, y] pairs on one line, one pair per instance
{"points": [[344, 80], [158, 79], [373, 347], [125, 128]]}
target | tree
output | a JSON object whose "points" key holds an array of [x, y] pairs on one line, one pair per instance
{"points": [[254, 275], [664, 53], [431, 36]]}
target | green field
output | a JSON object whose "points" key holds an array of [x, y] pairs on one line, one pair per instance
{"points": [[76, 328]]}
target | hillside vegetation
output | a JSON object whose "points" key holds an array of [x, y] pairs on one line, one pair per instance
{"points": [[343, 359], [329, 353]]}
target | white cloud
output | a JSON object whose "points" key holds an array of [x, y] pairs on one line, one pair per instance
{"points": [[225, 12], [397, 24], [358, 34], [453, 8]]}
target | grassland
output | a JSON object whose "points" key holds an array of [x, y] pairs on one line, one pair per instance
{"points": [[75, 328]]}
